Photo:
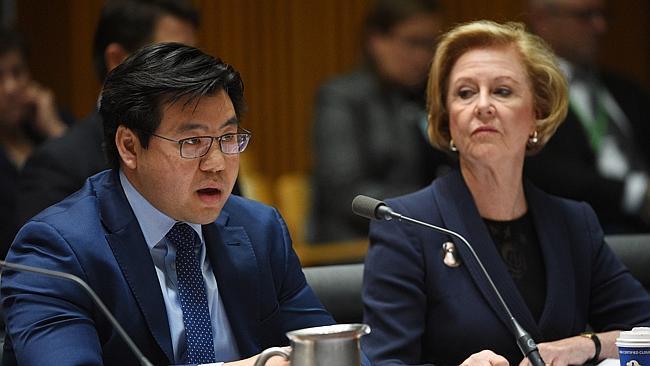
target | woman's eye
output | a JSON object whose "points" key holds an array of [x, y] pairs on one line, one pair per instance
{"points": [[465, 93], [504, 92]]}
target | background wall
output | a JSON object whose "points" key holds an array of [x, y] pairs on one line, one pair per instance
{"points": [[284, 49]]}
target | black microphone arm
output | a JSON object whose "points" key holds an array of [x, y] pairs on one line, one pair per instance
{"points": [[70, 277], [377, 210]]}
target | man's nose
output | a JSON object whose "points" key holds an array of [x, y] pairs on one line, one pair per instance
{"points": [[214, 160]]}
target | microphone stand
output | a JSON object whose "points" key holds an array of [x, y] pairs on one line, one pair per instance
{"points": [[70, 277], [524, 340]]}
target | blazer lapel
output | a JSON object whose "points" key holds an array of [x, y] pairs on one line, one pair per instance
{"points": [[132, 254], [235, 267], [553, 235], [459, 213]]}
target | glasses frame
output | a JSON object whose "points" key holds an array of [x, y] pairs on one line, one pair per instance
{"points": [[181, 142]]}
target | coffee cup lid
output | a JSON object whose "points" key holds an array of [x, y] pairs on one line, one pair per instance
{"points": [[638, 335]]}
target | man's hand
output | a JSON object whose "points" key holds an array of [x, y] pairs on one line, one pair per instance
{"points": [[485, 358]]}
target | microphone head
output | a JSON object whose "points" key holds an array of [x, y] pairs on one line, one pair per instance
{"points": [[365, 206]]}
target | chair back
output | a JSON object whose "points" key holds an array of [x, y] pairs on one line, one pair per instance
{"points": [[634, 251], [339, 289]]}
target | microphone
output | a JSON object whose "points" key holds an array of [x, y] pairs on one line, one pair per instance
{"points": [[70, 277], [375, 209]]}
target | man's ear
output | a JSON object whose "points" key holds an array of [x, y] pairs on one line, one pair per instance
{"points": [[114, 54], [128, 146]]}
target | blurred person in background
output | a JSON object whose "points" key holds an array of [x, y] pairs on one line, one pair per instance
{"points": [[600, 154], [369, 132], [61, 166], [28, 117]]}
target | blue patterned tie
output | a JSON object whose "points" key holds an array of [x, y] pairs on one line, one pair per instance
{"points": [[194, 300]]}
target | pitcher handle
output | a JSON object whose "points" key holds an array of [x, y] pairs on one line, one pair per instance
{"points": [[270, 352]]}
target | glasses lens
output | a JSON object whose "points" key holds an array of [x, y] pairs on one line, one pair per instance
{"points": [[195, 147], [234, 143], [242, 140]]}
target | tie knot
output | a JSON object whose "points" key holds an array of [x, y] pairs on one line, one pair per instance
{"points": [[182, 236]]}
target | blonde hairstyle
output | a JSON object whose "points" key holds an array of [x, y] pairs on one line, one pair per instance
{"points": [[549, 86]]}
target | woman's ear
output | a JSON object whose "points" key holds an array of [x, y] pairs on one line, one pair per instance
{"points": [[128, 146]]}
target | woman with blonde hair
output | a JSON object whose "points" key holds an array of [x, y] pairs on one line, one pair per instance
{"points": [[495, 94]]}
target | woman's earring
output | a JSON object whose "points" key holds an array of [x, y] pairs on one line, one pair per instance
{"points": [[452, 146], [533, 139]]}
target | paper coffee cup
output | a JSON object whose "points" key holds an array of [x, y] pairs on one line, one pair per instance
{"points": [[634, 347]]}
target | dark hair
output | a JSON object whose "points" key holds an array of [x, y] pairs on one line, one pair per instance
{"points": [[131, 24], [10, 40], [157, 75], [386, 14]]}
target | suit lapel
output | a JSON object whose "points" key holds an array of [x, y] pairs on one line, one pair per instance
{"points": [[235, 267], [132, 254], [553, 237], [459, 213]]}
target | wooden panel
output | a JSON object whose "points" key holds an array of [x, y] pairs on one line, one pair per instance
{"points": [[60, 34], [83, 82], [626, 46], [497, 10], [49, 44], [284, 50]]}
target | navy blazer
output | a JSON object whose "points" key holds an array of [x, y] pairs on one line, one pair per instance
{"points": [[423, 312], [94, 234]]}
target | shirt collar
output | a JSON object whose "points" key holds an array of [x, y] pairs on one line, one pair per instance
{"points": [[153, 223]]}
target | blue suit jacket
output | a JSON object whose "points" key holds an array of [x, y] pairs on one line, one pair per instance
{"points": [[423, 312], [93, 234]]}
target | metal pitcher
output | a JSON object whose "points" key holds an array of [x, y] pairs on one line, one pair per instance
{"points": [[331, 345]]}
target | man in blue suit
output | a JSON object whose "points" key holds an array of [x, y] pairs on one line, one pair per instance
{"points": [[171, 123]]}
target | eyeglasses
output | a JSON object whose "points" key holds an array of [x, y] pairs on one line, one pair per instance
{"points": [[198, 146]]}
